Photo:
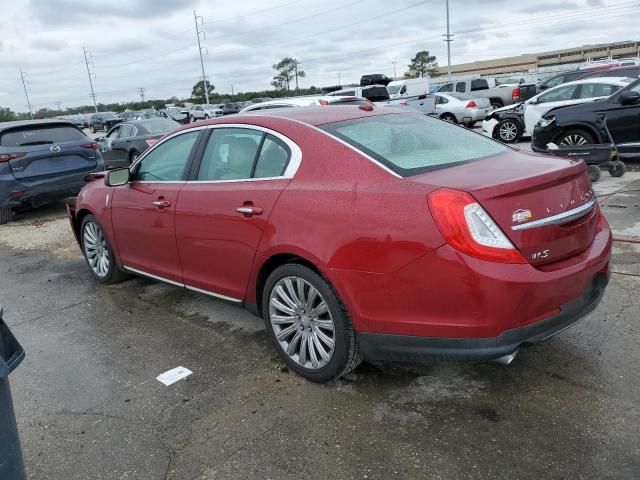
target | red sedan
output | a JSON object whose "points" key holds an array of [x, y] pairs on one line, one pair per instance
{"points": [[357, 232]]}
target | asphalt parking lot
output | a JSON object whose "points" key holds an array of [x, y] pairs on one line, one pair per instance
{"points": [[89, 406]]}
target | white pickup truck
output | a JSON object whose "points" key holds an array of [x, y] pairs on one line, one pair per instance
{"points": [[379, 95], [499, 96]]}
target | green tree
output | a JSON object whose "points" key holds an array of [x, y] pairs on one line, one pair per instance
{"points": [[6, 115], [422, 65], [198, 90], [287, 71]]}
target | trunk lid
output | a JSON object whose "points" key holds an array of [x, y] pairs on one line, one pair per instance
{"points": [[544, 205]]}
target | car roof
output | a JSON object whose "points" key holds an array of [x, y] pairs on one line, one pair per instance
{"points": [[299, 101], [22, 123], [313, 116], [620, 81]]}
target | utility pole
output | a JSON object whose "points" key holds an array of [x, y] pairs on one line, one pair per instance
{"points": [[59, 106], [297, 88], [339, 80], [200, 48], [24, 85], [448, 37], [141, 91], [93, 94], [232, 93], [395, 75]]}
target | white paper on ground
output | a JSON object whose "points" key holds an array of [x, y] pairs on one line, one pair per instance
{"points": [[173, 375]]}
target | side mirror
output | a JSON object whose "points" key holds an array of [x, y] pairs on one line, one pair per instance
{"points": [[629, 97], [117, 177], [101, 139]]}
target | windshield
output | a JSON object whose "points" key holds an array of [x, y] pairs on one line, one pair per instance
{"points": [[411, 144], [393, 89]]}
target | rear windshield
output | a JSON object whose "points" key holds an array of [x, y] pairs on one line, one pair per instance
{"points": [[412, 144], [155, 127], [40, 135], [350, 101], [375, 94]]}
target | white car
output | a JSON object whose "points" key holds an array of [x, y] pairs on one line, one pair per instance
{"points": [[201, 112], [509, 124], [408, 87]]}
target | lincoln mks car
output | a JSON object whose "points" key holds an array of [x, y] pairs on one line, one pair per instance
{"points": [[357, 232]]}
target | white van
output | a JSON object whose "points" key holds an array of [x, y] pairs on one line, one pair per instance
{"points": [[409, 87]]}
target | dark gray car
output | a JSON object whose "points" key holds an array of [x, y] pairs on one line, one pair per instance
{"points": [[43, 161], [124, 143]]}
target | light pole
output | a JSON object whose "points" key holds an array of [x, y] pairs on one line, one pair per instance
{"points": [[200, 47], [448, 37]]}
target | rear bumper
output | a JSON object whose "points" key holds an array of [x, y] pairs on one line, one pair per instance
{"points": [[403, 348], [15, 193]]}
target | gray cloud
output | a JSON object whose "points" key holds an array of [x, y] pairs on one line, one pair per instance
{"points": [[151, 43]]}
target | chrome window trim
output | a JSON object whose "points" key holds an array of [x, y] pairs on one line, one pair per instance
{"points": [[292, 167], [178, 284], [558, 219]]}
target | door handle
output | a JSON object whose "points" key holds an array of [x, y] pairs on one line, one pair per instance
{"points": [[249, 210], [162, 203]]}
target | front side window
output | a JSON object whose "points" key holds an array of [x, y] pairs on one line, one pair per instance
{"points": [[446, 88], [167, 162], [412, 144]]}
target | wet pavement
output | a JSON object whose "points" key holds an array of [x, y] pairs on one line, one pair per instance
{"points": [[89, 406]]}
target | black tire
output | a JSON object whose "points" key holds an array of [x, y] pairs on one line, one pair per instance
{"points": [[496, 104], [93, 129], [5, 215], [346, 355], [206, 117], [575, 137], [617, 168], [448, 117], [471, 124], [191, 119], [113, 273], [594, 173], [133, 156], [508, 130]]}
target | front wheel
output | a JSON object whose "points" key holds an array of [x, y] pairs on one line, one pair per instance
{"points": [[192, 119], [133, 157], [98, 252], [308, 324], [575, 138], [93, 129], [508, 130]]}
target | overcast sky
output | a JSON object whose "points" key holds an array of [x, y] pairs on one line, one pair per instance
{"points": [[152, 43]]}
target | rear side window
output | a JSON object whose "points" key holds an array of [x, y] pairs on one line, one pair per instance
{"points": [[40, 135], [461, 87], [375, 94], [412, 144], [273, 159], [479, 84], [590, 90]]}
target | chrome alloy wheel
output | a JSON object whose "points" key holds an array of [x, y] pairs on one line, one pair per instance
{"points": [[302, 323], [574, 140], [95, 249], [508, 131]]}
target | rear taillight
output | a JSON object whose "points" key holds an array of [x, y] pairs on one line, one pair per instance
{"points": [[151, 141], [471, 104], [92, 145], [324, 103], [467, 227], [515, 94], [5, 157]]}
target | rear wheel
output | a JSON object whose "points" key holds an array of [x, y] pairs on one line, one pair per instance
{"points": [[308, 324], [206, 117], [448, 117], [93, 129], [98, 252], [471, 124], [617, 168], [191, 119], [496, 104], [594, 173], [508, 130], [5, 215], [576, 138]]}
